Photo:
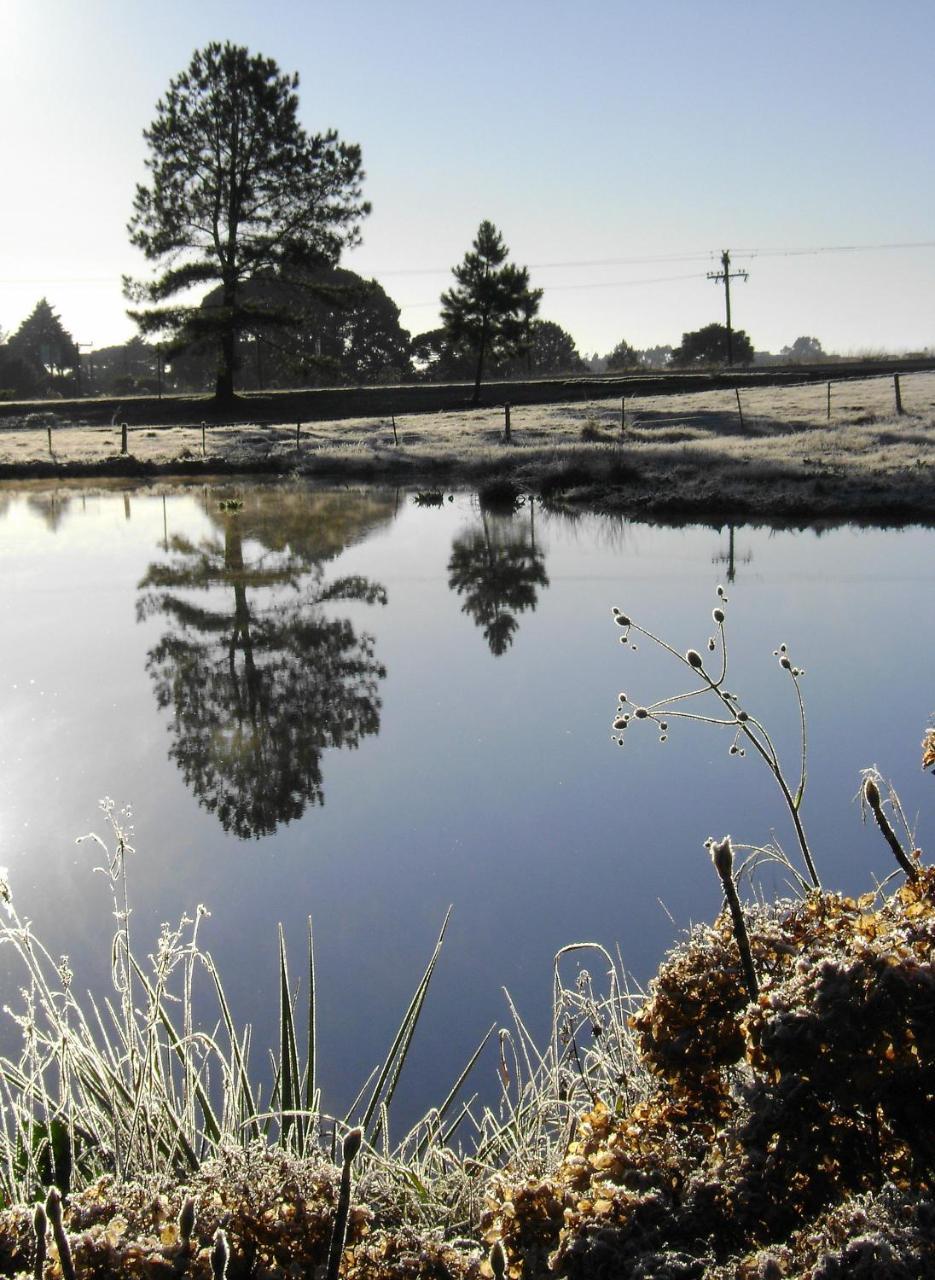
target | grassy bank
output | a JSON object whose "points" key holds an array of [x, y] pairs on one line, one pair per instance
{"points": [[775, 454]]}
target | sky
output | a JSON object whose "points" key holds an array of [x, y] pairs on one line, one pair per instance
{"points": [[619, 147]]}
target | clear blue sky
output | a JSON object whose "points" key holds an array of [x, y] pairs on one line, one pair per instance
{"points": [[641, 137]]}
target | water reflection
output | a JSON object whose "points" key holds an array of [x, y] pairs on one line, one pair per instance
{"points": [[258, 674], [498, 569], [52, 507]]}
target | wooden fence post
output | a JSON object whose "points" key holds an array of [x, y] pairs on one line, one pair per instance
{"points": [[49, 431], [623, 414], [297, 426], [395, 436], [203, 446], [506, 423], [829, 401], [739, 407], [123, 437], [899, 399]]}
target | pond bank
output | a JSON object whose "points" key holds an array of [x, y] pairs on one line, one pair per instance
{"points": [[773, 453]]}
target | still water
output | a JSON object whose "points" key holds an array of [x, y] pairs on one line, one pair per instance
{"points": [[346, 705]]}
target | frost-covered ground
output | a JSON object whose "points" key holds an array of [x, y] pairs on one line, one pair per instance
{"points": [[689, 453]]}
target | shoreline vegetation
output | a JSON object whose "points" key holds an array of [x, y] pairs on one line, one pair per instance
{"points": [[727, 450], [765, 1111]]}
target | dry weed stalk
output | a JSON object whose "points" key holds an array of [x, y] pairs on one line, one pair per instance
{"points": [[729, 713]]}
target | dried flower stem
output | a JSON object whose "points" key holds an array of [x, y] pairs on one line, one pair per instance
{"points": [[746, 726]]}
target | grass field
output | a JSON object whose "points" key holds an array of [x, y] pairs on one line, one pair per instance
{"points": [[687, 454]]}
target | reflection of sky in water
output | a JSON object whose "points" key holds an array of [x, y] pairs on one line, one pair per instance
{"points": [[492, 782]]}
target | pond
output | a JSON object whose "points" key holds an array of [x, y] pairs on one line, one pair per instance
{"points": [[345, 704]]}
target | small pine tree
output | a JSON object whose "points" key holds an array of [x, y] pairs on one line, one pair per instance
{"points": [[491, 307], [43, 343]]}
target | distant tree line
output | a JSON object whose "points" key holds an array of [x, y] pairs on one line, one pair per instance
{"points": [[240, 199]]}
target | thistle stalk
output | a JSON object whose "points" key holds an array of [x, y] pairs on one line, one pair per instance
{"points": [[872, 797], [722, 855], [53, 1208], [339, 1233], [40, 1226]]}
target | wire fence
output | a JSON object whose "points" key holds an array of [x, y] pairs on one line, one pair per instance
{"points": [[744, 409]]}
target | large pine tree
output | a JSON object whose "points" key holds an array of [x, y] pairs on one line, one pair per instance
{"points": [[237, 188]]}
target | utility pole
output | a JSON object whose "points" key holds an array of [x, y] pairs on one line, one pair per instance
{"points": [[725, 275], [79, 390]]}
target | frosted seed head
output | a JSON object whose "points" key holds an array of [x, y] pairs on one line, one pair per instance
{"points": [[722, 855], [187, 1219], [352, 1144], [693, 658], [872, 793], [718, 616], [220, 1254]]}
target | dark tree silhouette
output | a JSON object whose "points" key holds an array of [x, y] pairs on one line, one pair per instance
{"points": [[498, 569], [438, 360], [549, 349], [489, 310], [709, 346], [804, 348], [43, 344], [259, 676], [237, 188], [340, 329], [623, 356]]}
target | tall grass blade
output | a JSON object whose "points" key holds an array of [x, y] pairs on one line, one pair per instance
{"points": [[289, 1085], [400, 1046], [247, 1102], [311, 1069], [452, 1095], [210, 1120]]}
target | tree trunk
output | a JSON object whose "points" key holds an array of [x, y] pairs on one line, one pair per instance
{"points": [[475, 399], [224, 387]]}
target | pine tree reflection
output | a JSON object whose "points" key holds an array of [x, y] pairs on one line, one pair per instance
{"points": [[498, 569], [258, 674]]}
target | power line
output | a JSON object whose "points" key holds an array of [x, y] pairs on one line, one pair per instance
{"points": [[600, 284], [699, 256]]}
